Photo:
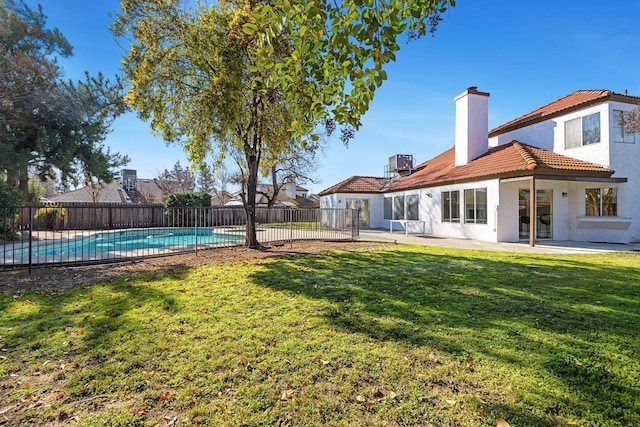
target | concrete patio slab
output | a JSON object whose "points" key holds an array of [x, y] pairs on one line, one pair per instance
{"points": [[542, 246]]}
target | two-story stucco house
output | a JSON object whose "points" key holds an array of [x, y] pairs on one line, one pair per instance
{"points": [[565, 171]]}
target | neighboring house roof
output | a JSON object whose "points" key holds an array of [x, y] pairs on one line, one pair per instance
{"points": [[511, 160], [282, 200], [148, 191], [108, 193], [576, 100], [357, 184], [219, 198]]}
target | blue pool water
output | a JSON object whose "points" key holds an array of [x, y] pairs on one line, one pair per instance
{"points": [[100, 245]]}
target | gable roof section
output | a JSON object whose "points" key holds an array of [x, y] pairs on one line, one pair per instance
{"points": [[357, 184], [510, 160], [576, 100], [109, 193]]}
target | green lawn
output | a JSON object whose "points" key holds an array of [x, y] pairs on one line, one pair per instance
{"points": [[407, 335]]}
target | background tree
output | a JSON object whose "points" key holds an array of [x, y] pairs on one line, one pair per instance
{"points": [[259, 78], [206, 179], [295, 167], [45, 122], [177, 180]]}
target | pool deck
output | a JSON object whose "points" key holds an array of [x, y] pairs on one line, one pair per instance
{"points": [[541, 247]]}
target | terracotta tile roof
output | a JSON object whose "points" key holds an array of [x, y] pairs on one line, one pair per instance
{"points": [[506, 161], [357, 184], [575, 100]]}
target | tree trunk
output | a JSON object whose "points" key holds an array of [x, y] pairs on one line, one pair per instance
{"points": [[251, 238]]}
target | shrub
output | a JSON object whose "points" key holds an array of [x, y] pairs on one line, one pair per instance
{"points": [[52, 217], [10, 205], [182, 208], [36, 190], [188, 199]]}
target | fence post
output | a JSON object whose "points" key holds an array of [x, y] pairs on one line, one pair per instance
{"points": [[30, 238], [289, 211], [197, 217]]}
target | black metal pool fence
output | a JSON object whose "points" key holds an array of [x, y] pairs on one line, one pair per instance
{"points": [[76, 234]]}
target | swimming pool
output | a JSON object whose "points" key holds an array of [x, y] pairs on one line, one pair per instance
{"points": [[126, 243]]}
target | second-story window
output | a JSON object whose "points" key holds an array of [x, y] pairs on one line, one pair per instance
{"points": [[620, 134], [583, 130]]}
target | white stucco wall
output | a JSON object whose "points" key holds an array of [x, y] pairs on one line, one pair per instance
{"points": [[539, 135], [625, 161], [338, 201], [431, 213], [594, 153]]}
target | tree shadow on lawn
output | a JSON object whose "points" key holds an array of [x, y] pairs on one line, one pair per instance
{"points": [[78, 336], [573, 322]]}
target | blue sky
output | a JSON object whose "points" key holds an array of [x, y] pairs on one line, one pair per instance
{"points": [[525, 54]]}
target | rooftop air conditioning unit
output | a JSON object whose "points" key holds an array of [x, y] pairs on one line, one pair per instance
{"points": [[400, 162]]}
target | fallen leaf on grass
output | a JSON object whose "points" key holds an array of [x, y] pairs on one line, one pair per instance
{"points": [[502, 423], [577, 362], [80, 331], [59, 396], [360, 398], [165, 396], [287, 395], [141, 410], [451, 402]]}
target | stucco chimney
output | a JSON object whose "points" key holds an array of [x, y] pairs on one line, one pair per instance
{"points": [[472, 125], [290, 188]]}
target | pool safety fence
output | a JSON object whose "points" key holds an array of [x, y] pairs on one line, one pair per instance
{"points": [[78, 234]]}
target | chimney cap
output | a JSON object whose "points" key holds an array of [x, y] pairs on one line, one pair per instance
{"points": [[472, 90]]}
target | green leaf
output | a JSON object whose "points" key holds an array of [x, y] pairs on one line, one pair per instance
{"points": [[250, 28]]}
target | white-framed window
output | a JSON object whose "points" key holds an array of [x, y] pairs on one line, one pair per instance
{"points": [[619, 134], [388, 208], [583, 130], [475, 205], [601, 201], [413, 211], [450, 202], [402, 207], [398, 207]]}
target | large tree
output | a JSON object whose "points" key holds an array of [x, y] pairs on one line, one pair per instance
{"points": [[189, 75], [258, 77], [46, 123]]}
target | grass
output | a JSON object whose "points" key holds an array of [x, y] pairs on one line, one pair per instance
{"points": [[405, 336]]}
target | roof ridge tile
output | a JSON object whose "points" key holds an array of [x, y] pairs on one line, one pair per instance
{"points": [[526, 156]]}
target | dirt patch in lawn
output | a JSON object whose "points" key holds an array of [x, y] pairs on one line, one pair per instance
{"points": [[61, 278]]}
